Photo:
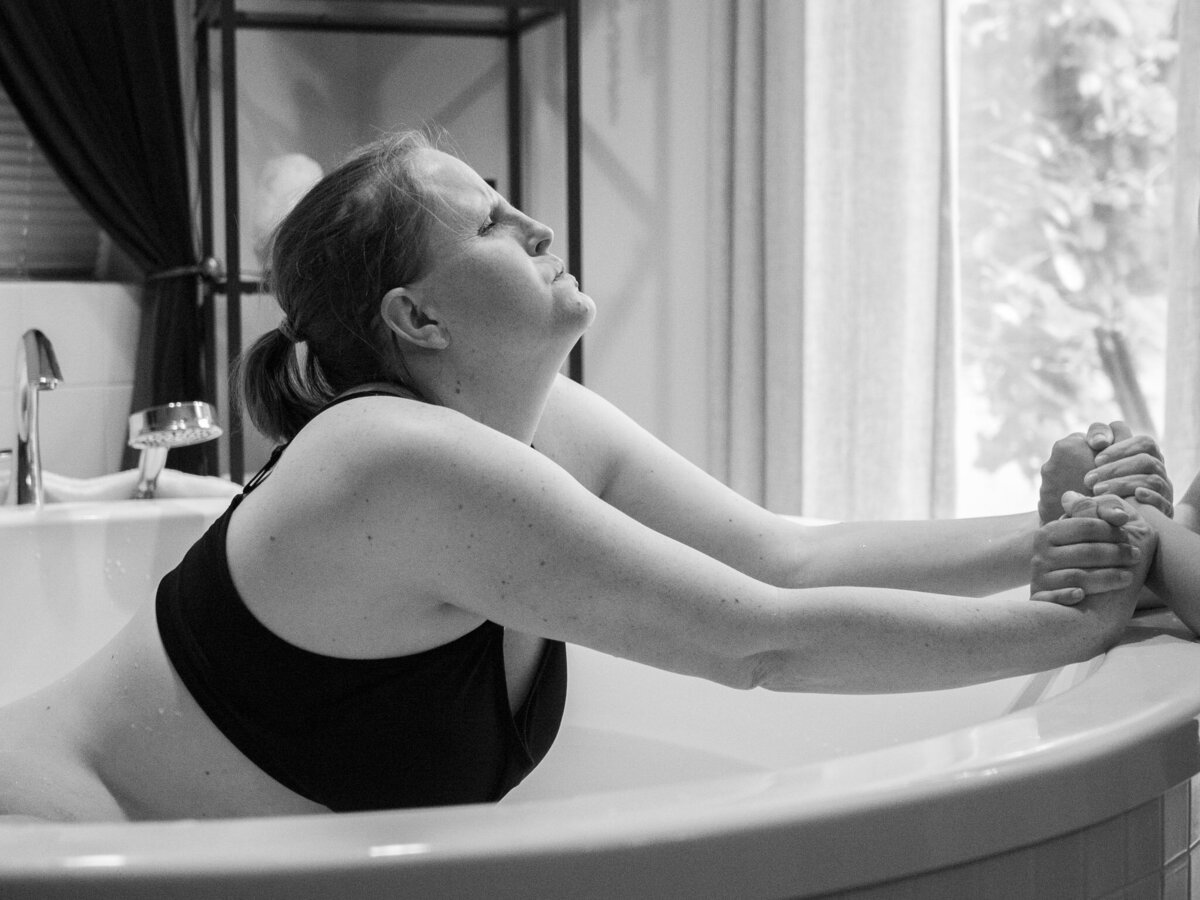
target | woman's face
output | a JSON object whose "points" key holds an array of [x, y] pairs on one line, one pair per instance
{"points": [[491, 277]]}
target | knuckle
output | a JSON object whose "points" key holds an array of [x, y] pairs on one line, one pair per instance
{"points": [[1149, 446]]}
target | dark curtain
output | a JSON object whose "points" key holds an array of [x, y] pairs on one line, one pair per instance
{"points": [[97, 83]]}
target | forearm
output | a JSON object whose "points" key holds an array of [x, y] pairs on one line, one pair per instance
{"points": [[881, 641], [969, 557], [1175, 571], [1187, 510], [1188, 515]]}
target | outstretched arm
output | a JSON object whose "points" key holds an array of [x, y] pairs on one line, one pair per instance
{"points": [[485, 525], [633, 471], [1092, 561], [1187, 512], [1175, 571]]}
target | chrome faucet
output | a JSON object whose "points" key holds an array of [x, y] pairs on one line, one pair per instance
{"points": [[37, 371]]}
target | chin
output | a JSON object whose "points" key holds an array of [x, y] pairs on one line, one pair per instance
{"points": [[587, 310], [577, 312]]}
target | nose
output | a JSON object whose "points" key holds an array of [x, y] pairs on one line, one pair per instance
{"points": [[540, 237]]}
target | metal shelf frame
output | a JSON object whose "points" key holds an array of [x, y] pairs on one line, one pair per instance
{"points": [[505, 20]]}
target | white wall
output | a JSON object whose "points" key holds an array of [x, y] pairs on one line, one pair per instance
{"points": [[646, 212], [93, 328], [323, 94]]}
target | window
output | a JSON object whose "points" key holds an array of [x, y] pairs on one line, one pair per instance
{"points": [[44, 233], [1067, 121]]}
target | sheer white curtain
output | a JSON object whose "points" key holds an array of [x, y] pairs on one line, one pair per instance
{"points": [[833, 256], [1181, 431]]}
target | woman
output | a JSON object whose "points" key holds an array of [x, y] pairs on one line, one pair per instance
{"points": [[377, 621]]}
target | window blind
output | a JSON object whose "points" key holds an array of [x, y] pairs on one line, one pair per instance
{"points": [[44, 232]]}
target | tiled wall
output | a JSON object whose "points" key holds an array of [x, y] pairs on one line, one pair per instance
{"points": [[93, 327], [1149, 853]]}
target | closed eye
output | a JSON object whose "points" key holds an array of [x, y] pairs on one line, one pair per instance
{"points": [[494, 217]]}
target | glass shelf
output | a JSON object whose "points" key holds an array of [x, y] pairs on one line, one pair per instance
{"points": [[500, 18]]}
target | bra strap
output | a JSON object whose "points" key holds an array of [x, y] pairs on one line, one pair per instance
{"points": [[262, 473]]}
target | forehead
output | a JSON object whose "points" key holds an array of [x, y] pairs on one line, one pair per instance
{"points": [[451, 179]]}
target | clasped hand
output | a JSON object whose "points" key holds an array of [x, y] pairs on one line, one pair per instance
{"points": [[1109, 459], [1089, 546], [1099, 546]]}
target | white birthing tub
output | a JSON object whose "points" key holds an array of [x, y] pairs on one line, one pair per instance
{"points": [[1070, 783]]}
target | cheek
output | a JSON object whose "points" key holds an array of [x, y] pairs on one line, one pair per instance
{"points": [[492, 302], [488, 291], [504, 289]]}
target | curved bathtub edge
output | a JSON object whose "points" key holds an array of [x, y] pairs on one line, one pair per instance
{"points": [[784, 833]]}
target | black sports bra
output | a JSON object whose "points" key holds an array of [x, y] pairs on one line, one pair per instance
{"points": [[426, 729]]}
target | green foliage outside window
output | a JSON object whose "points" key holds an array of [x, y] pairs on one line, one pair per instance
{"points": [[1068, 119]]}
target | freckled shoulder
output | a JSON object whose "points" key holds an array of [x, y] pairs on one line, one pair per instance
{"points": [[401, 448], [371, 431]]}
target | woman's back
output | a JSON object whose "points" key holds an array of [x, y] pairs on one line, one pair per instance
{"points": [[341, 722]]}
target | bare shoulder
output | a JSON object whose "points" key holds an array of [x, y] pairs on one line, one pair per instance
{"points": [[359, 442], [377, 424], [585, 434], [367, 468], [365, 441]]}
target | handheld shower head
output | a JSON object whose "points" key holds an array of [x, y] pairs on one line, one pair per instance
{"points": [[156, 430]]}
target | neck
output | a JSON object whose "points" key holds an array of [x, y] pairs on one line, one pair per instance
{"points": [[511, 402]]}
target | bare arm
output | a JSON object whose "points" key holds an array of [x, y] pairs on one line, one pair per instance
{"points": [[489, 526], [639, 475], [1187, 512], [1175, 572]]}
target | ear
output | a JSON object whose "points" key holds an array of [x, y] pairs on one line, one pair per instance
{"points": [[404, 316]]}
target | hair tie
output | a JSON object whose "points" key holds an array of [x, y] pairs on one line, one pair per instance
{"points": [[286, 328]]}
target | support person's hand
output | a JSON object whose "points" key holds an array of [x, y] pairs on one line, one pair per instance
{"points": [[1108, 459], [1131, 466], [1100, 546]]}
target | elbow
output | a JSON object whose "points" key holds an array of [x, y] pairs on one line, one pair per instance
{"points": [[745, 673], [746, 643], [783, 671], [734, 661], [765, 670], [734, 665]]}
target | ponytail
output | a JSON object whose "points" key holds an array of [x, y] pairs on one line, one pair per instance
{"points": [[279, 392]]}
